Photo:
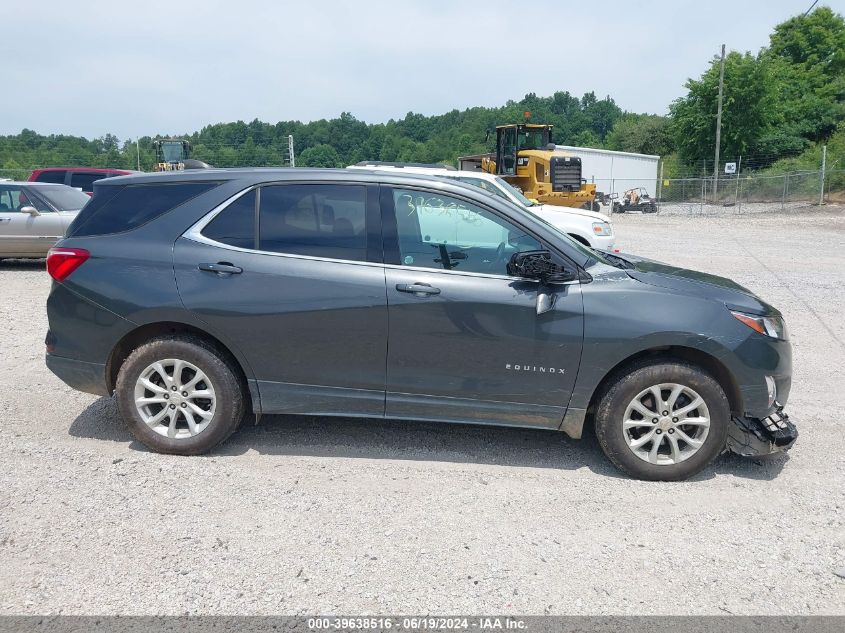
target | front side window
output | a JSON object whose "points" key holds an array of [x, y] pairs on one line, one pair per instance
{"points": [[315, 220], [14, 198], [437, 231], [9, 198]]}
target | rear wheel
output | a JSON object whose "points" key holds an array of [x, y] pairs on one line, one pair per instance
{"points": [[664, 421], [179, 395]]}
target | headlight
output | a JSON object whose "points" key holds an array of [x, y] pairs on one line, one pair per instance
{"points": [[773, 327], [602, 228]]}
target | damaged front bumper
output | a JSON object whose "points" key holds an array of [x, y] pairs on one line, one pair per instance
{"points": [[752, 436]]}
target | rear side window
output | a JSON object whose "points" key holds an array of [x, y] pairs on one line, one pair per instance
{"points": [[488, 187], [235, 225], [52, 176], [316, 220], [120, 209], [85, 181]]}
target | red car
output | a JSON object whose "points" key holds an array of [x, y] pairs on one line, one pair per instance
{"points": [[77, 177]]}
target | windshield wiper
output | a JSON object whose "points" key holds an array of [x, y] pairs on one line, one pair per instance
{"points": [[617, 261]]}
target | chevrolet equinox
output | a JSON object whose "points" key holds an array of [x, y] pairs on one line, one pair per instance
{"points": [[198, 297]]}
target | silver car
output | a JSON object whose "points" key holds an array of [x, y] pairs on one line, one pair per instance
{"points": [[34, 216]]}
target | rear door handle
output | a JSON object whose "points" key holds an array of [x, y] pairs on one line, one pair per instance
{"points": [[223, 269], [419, 289]]}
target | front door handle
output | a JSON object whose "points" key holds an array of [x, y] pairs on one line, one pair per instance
{"points": [[223, 269], [419, 289]]}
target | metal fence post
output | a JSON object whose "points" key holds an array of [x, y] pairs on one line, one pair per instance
{"points": [[824, 164], [785, 187], [736, 192], [660, 183]]}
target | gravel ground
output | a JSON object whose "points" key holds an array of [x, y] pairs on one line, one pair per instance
{"points": [[694, 208], [300, 515]]}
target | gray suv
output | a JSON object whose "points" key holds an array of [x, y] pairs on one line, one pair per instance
{"points": [[198, 297]]}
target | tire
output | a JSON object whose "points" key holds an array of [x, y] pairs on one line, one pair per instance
{"points": [[216, 409], [617, 402]]}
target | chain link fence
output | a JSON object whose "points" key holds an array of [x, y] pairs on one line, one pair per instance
{"points": [[15, 174], [741, 193]]}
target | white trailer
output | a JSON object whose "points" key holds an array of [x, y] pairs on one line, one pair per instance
{"points": [[616, 172]]}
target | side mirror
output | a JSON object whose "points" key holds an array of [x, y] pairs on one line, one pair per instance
{"points": [[30, 210], [539, 265]]}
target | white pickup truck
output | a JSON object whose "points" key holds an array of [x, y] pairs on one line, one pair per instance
{"points": [[588, 227]]}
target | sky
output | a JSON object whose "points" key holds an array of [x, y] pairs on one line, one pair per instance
{"points": [[139, 68]]}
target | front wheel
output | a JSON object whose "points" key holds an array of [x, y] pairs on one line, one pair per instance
{"points": [[663, 421], [179, 395]]}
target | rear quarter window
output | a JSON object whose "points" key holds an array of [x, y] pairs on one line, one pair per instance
{"points": [[123, 208], [52, 176], [85, 180]]}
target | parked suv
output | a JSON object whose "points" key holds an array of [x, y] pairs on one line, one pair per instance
{"points": [[196, 297], [82, 178], [591, 228]]}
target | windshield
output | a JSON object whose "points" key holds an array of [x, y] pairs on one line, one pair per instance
{"points": [[533, 138], [504, 184], [64, 198], [172, 152]]}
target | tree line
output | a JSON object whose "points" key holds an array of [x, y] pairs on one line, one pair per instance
{"points": [[779, 104]]}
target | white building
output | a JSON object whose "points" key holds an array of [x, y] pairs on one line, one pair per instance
{"points": [[616, 172]]}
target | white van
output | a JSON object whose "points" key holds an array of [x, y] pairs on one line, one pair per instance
{"points": [[588, 227]]}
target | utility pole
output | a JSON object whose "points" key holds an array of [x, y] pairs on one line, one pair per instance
{"points": [[719, 124], [824, 166], [138, 153], [290, 150]]}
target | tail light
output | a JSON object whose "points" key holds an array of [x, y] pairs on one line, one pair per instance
{"points": [[61, 262]]}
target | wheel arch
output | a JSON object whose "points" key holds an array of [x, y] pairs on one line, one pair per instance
{"points": [[140, 335], [707, 362]]}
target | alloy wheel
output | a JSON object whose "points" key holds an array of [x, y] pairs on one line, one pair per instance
{"points": [[666, 423], [175, 398]]}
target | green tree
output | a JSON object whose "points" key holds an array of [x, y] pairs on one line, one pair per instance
{"points": [[642, 134], [319, 156], [808, 54], [750, 108], [814, 41]]}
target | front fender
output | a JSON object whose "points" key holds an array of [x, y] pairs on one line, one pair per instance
{"points": [[624, 318]]}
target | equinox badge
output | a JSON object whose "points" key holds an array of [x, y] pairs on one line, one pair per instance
{"points": [[542, 370]]}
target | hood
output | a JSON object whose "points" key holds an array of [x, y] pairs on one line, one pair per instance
{"points": [[722, 289], [550, 210]]}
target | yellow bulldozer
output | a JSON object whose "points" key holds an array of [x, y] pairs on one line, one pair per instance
{"points": [[526, 157]]}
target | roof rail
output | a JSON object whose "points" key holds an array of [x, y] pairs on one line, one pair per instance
{"points": [[387, 163]]}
